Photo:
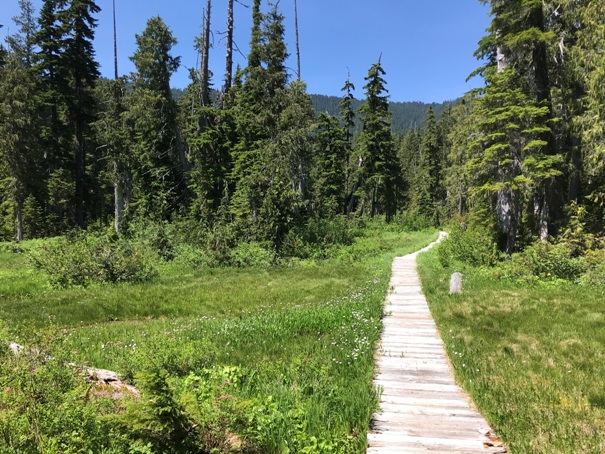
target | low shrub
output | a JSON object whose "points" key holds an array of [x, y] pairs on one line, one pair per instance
{"points": [[545, 261], [473, 245], [251, 255], [48, 406], [594, 264], [80, 260], [319, 237], [192, 256], [12, 248], [413, 222]]}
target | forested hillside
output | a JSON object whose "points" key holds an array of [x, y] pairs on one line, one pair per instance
{"points": [[404, 115]]}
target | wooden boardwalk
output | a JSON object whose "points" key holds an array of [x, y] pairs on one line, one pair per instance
{"points": [[421, 408]]}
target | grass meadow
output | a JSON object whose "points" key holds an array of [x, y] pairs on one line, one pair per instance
{"points": [[531, 356], [276, 360]]}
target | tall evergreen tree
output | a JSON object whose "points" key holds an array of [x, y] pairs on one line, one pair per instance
{"points": [[19, 144], [347, 118], [408, 151], [82, 73], [459, 139], [378, 172], [509, 162], [330, 161], [519, 40], [274, 119], [65, 62], [22, 43], [589, 56], [54, 132], [151, 115]]}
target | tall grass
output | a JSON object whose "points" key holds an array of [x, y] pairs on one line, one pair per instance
{"points": [[531, 356], [258, 360]]}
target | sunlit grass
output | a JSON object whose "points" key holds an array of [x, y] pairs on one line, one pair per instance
{"points": [[302, 335], [533, 358]]}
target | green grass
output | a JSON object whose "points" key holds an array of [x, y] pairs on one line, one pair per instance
{"points": [[532, 357], [300, 338]]}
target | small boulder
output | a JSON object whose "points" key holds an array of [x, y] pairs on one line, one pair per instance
{"points": [[456, 284]]}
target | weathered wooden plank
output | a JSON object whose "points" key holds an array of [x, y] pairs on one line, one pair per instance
{"points": [[415, 386], [428, 420]]}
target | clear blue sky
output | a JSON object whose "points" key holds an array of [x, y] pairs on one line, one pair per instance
{"points": [[426, 45]]}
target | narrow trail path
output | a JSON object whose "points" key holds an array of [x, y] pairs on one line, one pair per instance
{"points": [[422, 408]]}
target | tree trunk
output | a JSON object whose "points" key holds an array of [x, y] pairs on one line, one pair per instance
{"points": [[507, 217], [115, 43], [80, 162], [118, 192], [229, 56], [19, 221], [204, 72], [575, 178], [297, 41], [118, 183], [501, 59]]}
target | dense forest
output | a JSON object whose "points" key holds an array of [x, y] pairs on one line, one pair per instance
{"points": [[521, 157]]}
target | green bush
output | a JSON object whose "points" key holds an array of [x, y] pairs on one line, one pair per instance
{"points": [[413, 222], [251, 255], [543, 260], [48, 406], [594, 268], [80, 260], [192, 256], [319, 237], [473, 246]]}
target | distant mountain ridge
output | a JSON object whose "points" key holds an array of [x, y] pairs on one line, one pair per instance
{"points": [[404, 115]]}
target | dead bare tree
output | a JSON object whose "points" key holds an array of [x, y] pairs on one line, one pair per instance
{"points": [[297, 42], [204, 72], [229, 56]]}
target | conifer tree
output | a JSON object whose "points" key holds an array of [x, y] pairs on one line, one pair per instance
{"points": [[22, 43], [331, 150], [19, 145], [112, 135], [509, 161], [65, 63], [589, 55], [378, 171], [229, 55], [347, 118], [431, 195], [20, 121], [518, 42], [54, 131], [408, 152], [273, 152], [82, 72], [151, 116], [459, 138]]}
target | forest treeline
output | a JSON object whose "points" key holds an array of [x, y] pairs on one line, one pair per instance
{"points": [[522, 157]]}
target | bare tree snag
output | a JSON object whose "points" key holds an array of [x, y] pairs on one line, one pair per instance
{"points": [[297, 41], [118, 183], [229, 56], [204, 72], [115, 43]]}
